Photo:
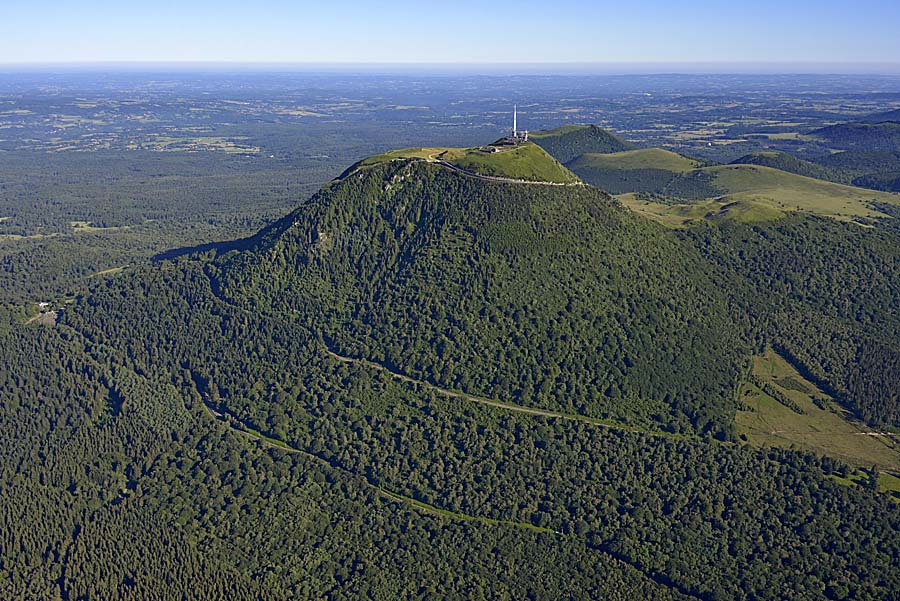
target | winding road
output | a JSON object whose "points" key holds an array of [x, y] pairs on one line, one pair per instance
{"points": [[244, 429], [497, 178], [498, 404], [476, 175]]}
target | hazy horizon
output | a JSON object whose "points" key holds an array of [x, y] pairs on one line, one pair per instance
{"points": [[487, 68]]}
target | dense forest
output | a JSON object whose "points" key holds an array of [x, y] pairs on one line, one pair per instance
{"points": [[824, 292], [859, 136], [879, 170], [702, 518], [290, 415], [120, 485]]}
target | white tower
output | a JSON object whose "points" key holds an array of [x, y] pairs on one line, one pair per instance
{"points": [[514, 122]]}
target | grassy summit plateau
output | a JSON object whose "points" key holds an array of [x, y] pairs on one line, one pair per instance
{"points": [[527, 161]]}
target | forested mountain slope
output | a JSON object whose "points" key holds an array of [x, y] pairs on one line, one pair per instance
{"points": [[879, 170], [550, 296], [826, 294], [883, 116], [119, 484]]}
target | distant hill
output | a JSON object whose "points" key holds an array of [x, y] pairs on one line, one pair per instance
{"points": [[876, 170], [867, 137], [571, 141], [645, 158], [882, 117], [791, 164]]}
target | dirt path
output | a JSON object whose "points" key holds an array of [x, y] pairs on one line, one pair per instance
{"points": [[47, 318], [452, 393], [245, 430], [488, 178], [498, 404], [496, 178]]}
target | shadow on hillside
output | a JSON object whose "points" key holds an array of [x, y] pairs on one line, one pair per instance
{"points": [[217, 247]]}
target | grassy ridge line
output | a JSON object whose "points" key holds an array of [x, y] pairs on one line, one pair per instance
{"points": [[644, 158], [243, 428], [498, 178], [503, 405]]}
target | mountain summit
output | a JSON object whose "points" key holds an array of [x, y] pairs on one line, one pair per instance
{"points": [[552, 296], [502, 160]]}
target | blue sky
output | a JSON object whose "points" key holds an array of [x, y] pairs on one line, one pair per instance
{"points": [[458, 31]]}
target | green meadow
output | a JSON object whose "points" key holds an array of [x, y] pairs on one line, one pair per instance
{"points": [[824, 427]]}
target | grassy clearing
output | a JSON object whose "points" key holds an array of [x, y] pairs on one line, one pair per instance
{"points": [[749, 193], [830, 431], [87, 226], [887, 483], [683, 215], [110, 271], [525, 161], [854, 479]]}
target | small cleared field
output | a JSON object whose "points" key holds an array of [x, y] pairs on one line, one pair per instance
{"points": [[825, 429], [87, 226], [110, 271], [44, 318]]}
